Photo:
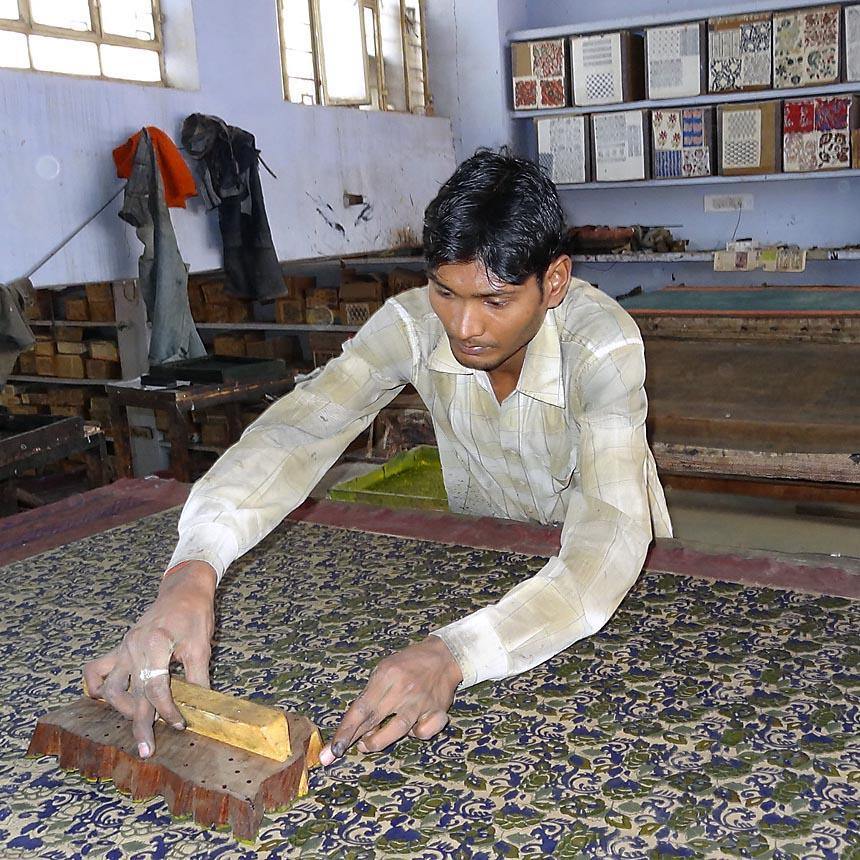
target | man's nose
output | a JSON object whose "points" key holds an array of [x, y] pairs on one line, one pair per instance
{"points": [[468, 324]]}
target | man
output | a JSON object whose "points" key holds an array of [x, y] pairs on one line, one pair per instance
{"points": [[534, 381]]}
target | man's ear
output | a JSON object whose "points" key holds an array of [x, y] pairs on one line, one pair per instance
{"points": [[556, 280]]}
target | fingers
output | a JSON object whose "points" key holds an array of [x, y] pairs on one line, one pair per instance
{"points": [[115, 692], [157, 691], [429, 725], [143, 717], [362, 715], [96, 671], [397, 727], [195, 660]]}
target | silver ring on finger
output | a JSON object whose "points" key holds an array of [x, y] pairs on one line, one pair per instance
{"points": [[149, 674]]}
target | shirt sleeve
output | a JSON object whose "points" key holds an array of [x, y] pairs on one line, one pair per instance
{"points": [[281, 456], [604, 539]]}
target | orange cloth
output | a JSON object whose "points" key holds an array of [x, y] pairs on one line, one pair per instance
{"points": [[175, 175]]}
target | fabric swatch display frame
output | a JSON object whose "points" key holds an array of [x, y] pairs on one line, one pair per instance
{"points": [[807, 47], [676, 51], [564, 148], [740, 53], [539, 72], [817, 133], [682, 142], [607, 68], [621, 146], [749, 138]]}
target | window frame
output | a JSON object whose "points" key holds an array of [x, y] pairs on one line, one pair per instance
{"points": [[285, 74], [424, 83], [317, 55], [319, 52], [28, 27]]}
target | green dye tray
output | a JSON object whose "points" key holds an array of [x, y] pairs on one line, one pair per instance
{"points": [[412, 479]]}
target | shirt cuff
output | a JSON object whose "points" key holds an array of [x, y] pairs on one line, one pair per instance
{"points": [[476, 647], [210, 542]]}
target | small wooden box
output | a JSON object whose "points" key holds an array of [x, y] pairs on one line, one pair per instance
{"points": [[749, 138], [740, 52], [607, 68], [539, 72], [675, 64], [76, 309], [622, 146], [27, 363], [564, 148], [98, 369], [358, 313], [71, 347], [229, 344], [69, 366], [105, 350], [44, 365], [285, 347], [45, 345], [289, 310], [102, 311], [213, 292], [102, 292], [69, 333], [323, 297]]}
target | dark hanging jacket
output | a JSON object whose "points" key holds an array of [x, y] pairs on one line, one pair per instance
{"points": [[231, 178]]}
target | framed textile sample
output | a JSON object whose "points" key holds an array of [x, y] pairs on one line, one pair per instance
{"points": [[563, 148], [749, 138], [682, 142], [621, 146], [852, 43], [740, 53], [539, 74], [607, 68], [675, 61], [806, 47], [817, 133]]}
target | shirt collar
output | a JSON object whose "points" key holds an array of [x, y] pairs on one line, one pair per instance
{"points": [[541, 376]]}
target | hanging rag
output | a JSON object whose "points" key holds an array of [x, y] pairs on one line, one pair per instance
{"points": [[163, 276], [175, 175], [15, 332], [231, 178]]}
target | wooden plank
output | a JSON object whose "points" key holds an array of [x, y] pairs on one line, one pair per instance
{"points": [[815, 466], [216, 783]]}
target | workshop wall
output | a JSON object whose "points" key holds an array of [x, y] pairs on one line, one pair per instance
{"points": [[56, 123]]}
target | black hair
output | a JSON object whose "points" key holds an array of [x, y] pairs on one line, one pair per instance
{"points": [[500, 211]]}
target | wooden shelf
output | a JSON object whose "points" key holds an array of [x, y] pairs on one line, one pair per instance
{"points": [[266, 326], [817, 255], [692, 101], [639, 22], [848, 173], [52, 380], [77, 324]]}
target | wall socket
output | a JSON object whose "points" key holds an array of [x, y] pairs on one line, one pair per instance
{"points": [[728, 202]]}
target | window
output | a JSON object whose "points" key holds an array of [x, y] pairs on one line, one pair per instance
{"points": [[118, 39], [369, 54]]}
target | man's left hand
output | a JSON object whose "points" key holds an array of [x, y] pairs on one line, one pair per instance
{"points": [[415, 687]]}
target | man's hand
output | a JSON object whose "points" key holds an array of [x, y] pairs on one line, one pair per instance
{"points": [[179, 624], [415, 687]]}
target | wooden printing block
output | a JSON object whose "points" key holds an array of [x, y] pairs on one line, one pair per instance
{"points": [[215, 783]]}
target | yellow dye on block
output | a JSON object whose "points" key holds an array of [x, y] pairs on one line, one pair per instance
{"points": [[238, 722]]}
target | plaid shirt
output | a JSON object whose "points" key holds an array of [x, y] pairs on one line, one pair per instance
{"points": [[566, 446]]}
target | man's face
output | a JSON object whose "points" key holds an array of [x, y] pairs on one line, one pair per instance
{"points": [[487, 322]]}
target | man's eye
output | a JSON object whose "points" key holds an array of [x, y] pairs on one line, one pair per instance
{"points": [[497, 304]]}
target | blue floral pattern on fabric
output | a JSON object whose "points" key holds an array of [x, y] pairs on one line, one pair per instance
{"points": [[707, 719]]}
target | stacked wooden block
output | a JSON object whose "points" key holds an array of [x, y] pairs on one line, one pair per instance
{"points": [[66, 351], [210, 302]]}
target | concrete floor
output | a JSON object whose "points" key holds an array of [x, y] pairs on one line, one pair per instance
{"points": [[723, 520]]}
